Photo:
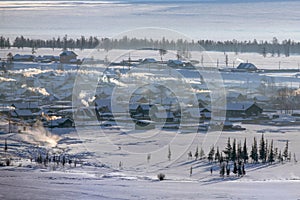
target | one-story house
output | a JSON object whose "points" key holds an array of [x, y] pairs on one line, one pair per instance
{"points": [[23, 58], [67, 57], [22, 114], [61, 123], [32, 106], [175, 63], [243, 109]]}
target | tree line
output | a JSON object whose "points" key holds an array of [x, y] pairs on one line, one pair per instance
{"points": [[263, 47]]}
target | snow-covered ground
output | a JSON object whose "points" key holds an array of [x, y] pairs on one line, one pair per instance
{"points": [[35, 184], [100, 176]]}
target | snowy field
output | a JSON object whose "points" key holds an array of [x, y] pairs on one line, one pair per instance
{"points": [[210, 58], [100, 177]]}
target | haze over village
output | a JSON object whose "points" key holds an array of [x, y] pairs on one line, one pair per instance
{"points": [[149, 113]]}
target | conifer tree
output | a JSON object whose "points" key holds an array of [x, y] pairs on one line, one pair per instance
{"points": [[227, 169], [217, 155], [235, 169], [280, 157], [221, 158], [190, 155], [211, 154], [233, 152], [5, 146], [275, 153], [245, 151], [239, 151], [222, 170], [262, 149], [254, 153], [169, 153], [286, 150], [196, 153], [228, 150], [271, 153], [266, 151]]}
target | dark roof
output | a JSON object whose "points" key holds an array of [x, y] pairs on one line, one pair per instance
{"points": [[68, 53], [22, 113], [175, 62], [60, 122], [149, 60], [247, 66], [28, 105]]}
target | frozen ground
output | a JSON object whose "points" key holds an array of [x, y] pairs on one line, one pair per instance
{"points": [[100, 177], [210, 58], [35, 184]]}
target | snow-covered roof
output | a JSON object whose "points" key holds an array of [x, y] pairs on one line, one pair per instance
{"points": [[164, 115], [261, 98], [28, 105], [21, 113], [21, 57], [241, 106], [68, 53], [149, 60], [233, 94], [60, 121], [175, 62]]}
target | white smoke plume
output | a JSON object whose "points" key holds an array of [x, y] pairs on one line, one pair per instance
{"points": [[36, 135]]}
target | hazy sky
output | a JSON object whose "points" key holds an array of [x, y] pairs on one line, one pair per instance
{"points": [[230, 20]]}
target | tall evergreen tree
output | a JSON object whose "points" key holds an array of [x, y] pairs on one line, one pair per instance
{"points": [[254, 151], [239, 151], [286, 150], [262, 149], [245, 151], [271, 158], [196, 153], [5, 146], [233, 152], [169, 153], [280, 156], [235, 169], [266, 151], [217, 155], [211, 154], [228, 150]]}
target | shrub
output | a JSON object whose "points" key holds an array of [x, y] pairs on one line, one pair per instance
{"points": [[7, 162], [161, 176]]}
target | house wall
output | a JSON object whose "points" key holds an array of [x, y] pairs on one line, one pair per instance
{"points": [[253, 110], [67, 58]]}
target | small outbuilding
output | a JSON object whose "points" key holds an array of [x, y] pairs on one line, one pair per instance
{"points": [[68, 57]]}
